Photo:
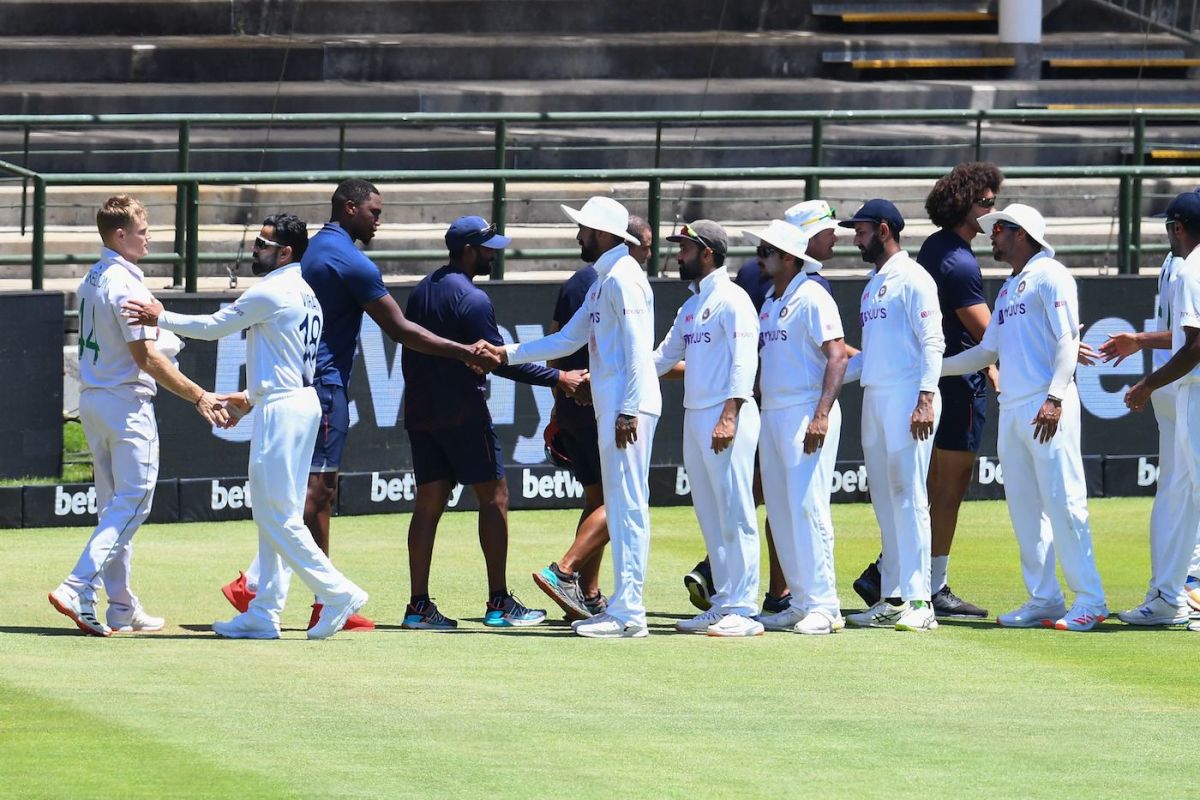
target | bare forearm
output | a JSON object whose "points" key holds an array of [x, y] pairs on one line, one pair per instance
{"points": [[168, 376], [831, 383]]}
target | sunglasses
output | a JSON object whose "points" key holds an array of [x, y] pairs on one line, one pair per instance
{"points": [[260, 243], [986, 202], [1000, 226], [691, 234]]}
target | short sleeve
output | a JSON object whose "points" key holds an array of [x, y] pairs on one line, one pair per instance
{"points": [[1188, 306], [1060, 300], [824, 321], [962, 282], [362, 279], [130, 291]]}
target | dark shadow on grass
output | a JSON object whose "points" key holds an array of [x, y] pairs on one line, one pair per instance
{"points": [[39, 631]]}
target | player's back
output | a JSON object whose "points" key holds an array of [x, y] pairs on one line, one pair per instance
{"points": [[281, 350], [105, 361]]}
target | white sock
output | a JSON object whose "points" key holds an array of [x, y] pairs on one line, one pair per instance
{"points": [[939, 567]]}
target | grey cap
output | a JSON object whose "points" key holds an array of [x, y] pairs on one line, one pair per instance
{"points": [[705, 233]]}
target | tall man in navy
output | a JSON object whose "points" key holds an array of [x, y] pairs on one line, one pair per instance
{"points": [[346, 283], [450, 427]]}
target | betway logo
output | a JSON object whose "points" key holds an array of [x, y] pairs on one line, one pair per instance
{"points": [[74, 503], [233, 497], [402, 488], [561, 484], [1147, 472]]}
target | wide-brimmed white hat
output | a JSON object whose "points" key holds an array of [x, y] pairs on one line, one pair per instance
{"points": [[1023, 216], [786, 237], [812, 217], [602, 214]]}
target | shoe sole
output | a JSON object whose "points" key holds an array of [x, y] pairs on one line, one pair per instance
{"points": [[421, 626], [872, 624], [1154, 623], [515, 623], [1059, 625], [932, 626], [67, 612], [131, 629], [733, 635], [640, 633], [574, 614], [697, 593], [257, 635]]}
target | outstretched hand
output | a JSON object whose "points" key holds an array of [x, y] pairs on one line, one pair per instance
{"points": [[237, 405]]}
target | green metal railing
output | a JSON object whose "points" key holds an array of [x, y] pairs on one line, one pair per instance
{"points": [[188, 256]]}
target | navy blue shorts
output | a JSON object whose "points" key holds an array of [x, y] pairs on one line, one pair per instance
{"points": [[964, 410], [583, 448], [468, 454], [335, 424]]}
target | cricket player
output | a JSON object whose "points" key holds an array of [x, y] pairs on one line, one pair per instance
{"points": [[120, 369], [1034, 331], [1173, 540], [716, 333], [803, 355], [282, 320], [616, 321], [901, 361]]}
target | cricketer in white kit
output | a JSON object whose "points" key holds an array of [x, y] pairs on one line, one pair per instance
{"points": [[616, 322], [803, 358], [282, 320], [1034, 331], [120, 369], [900, 363], [1183, 370], [716, 333]]}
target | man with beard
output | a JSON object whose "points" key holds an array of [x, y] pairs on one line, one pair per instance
{"points": [[716, 333], [1035, 332], [346, 283], [450, 426], [955, 205], [900, 365], [573, 582], [282, 320], [616, 321]]}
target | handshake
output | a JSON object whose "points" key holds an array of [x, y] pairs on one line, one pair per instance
{"points": [[222, 410], [485, 357]]}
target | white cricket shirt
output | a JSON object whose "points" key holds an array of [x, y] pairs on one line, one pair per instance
{"points": [[716, 333], [1035, 308], [1186, 307], [616, 322], [1163, 306], [282, 319], [104, 334], [902, 340], [793, 328]]}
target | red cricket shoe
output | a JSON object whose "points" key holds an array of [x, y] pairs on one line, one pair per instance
{"points": [[355, 622], [237, 593]]}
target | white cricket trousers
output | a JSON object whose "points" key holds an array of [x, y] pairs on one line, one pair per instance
{"points": [[796, 488], [281, 446], [897, 467], [723, 497], [123, 435], [1182, 550], [1175, 515], [1048, 479], [625, 474]]}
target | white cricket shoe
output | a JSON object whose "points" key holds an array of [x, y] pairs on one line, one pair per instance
{"points": [[246, 626], [1032, 615], [881, 615], [1194, 626], [819, 623], [82, 613], [785, 620], [334, 614], [606, 626], [1157, 610], [135, 621], [917, 618], [735, 625], [1079, 618], [699, 623]]}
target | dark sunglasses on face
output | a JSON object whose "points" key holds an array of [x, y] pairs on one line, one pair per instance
{"points": [[999, 226], [986, 202]]}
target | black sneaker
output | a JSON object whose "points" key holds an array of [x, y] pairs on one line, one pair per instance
{"points": [[947, 604], [699, 584], [564, 591], [773, 605], [867, 585], [597, 604], [509, 612], [424, 616]]}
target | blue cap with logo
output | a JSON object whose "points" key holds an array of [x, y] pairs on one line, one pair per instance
{"points": [[877, 211], [474, 231], [1185, 207]]}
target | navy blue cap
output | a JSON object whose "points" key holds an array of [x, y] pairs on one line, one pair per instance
{"points": [[877, 211], [474, 231], [1185, 207]]}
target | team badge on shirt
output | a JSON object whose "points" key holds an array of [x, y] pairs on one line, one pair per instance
{"points": [[704, 316], [783, 312], [882, 291], [1020, 287]]}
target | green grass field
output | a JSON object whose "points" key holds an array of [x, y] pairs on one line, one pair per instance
{"points": [[970, 710]]}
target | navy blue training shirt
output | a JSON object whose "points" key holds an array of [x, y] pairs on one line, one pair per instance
{"points": [[344, 280], [754, 279], [443, 393], [954, 268], [570, 415]]}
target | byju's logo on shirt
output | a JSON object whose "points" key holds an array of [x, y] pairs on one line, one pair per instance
{"points": [[1008, 311], [871, 314]]}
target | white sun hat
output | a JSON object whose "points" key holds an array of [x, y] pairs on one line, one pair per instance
{"points": [[786, 237], [602, 214], [812, 217], [1023, 216]]}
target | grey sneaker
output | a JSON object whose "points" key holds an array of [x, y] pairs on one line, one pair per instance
{"points": [[81, 613], [597, 603], [564, 591], [881, 615]]}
